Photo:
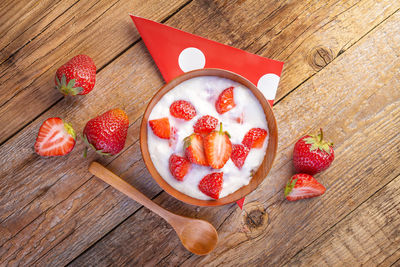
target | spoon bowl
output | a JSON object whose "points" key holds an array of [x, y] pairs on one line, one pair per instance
{"points": [[197, 236]]}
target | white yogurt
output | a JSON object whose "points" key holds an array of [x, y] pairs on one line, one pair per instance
{"points": [[202, 92]]}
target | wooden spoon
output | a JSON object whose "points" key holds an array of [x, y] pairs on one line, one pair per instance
{"points": [[197, 236]]}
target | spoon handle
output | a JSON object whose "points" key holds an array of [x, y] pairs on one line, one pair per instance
{"points": [[121, 185]]}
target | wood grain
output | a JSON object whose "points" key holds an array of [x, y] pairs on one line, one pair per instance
{"points": [[335, 25], [65, 197], [369, 236], [51, 210], [29, 60], [367, 108]]}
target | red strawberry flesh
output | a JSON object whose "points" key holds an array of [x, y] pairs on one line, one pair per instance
{"points": [[255, 138], [161, 127], [55, 138], [182, 109], [178, 166], [194, 149], [205, 125], [211, 184], [301, 186], [225, 101], [218, 148], [239, 154]]}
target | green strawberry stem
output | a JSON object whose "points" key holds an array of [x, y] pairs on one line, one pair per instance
{"points": [[317, 142], [85, 152], [69, 129], [289, 186], [222, 132], [67, 88]]}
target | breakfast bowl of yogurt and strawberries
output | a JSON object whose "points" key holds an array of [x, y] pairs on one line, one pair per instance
{"points": [[208, 137]]}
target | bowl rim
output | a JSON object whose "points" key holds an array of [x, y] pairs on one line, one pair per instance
{"points": [[262, 170]]}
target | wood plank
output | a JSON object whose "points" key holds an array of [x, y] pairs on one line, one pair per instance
{"points": [[368, 236], [178, 19], [21, 21], [61, 191], [365, 131], [287, 39], [59, 202], [28, 74]]}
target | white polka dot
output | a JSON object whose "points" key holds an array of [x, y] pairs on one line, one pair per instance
{"points": [[191, 59], [268, 84]]}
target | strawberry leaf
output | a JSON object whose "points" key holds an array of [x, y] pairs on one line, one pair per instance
{"points": [[289, 186], [71, 83], [63, 81]]}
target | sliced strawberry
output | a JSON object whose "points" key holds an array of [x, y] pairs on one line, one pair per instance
{"points": [[178, 166], [194, 149], [55, 138], [218, 148], [239, 154], [225, 101], [161, 127], [205, 125], [211, 184], [303, 186], [255, 138], [182, 109]]}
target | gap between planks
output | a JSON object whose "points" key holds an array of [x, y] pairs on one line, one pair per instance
{"points": [[342, 51], [277, 101], [98, 71], [343, 218]]}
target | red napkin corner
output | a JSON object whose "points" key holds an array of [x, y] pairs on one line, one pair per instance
{"points": [[176, 52]]}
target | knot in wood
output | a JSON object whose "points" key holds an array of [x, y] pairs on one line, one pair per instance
{"points": [[319, 57], [254, 219]]}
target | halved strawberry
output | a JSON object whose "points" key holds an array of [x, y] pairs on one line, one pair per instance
{"points": [[218, 148], [55, 138], [178, 166], [303, 186], [182, 109], [194, 149], [211, 184], [255, 138], [239, 154], [225, 101], [161, 127], [205, 125]]}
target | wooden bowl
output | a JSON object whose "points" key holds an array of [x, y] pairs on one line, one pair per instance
{"points": [[259, 175]]}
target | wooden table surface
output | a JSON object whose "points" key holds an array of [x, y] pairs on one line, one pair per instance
{"points": [[341, 73]]}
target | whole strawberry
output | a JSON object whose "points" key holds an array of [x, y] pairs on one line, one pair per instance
{"points": [[77, 76], [312, 154], [107, 133]]}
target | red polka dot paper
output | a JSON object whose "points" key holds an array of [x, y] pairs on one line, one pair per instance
{"points": [[176, 52]]}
